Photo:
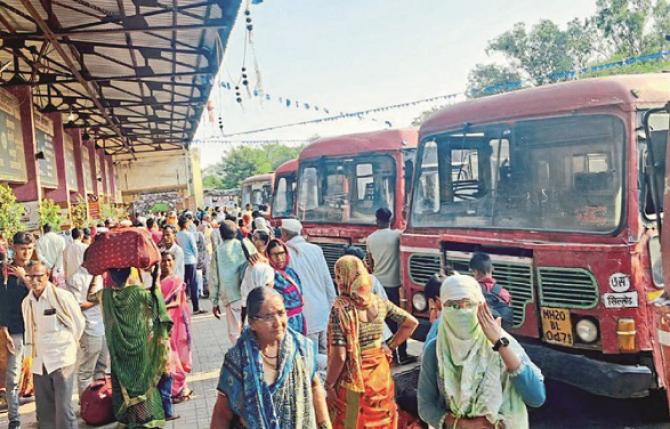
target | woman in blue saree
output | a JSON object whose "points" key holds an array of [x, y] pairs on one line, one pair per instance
{"points": [[287, 283], [268, 379]]}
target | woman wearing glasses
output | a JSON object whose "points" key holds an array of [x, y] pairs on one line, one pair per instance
{"points": [[287, 283], [474, 374], [268, 379]]}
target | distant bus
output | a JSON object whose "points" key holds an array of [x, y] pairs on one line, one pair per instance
{"points": [[283, 199], [257, 190], [343, 180]]}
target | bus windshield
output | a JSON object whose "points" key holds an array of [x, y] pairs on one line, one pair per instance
{"points": [[256, 194], [558, 174], [346, 190], [282, 203]]}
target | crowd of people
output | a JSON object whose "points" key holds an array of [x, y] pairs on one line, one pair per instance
{"points": [[306, 350]]}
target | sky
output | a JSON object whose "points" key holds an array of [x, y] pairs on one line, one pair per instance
{"points": [[351, 55]]}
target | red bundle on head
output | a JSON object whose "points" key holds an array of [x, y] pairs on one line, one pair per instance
{"points": [[121, 248]]}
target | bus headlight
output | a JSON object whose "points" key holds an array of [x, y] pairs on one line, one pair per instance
{"points": [[419, 301], [587, 331]]}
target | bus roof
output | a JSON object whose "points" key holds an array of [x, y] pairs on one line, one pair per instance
{"points": [[352, 144], [259, 178], [287, 167], [640, 89]]}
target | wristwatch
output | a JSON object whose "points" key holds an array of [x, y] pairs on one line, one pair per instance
{"points": [[502, 342]]}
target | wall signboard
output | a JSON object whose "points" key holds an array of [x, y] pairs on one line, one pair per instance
{"points": [[44, 134], [70, 169], [12, 158]]}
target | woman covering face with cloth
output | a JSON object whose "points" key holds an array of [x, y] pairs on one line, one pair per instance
{"points": [[474, 374]]}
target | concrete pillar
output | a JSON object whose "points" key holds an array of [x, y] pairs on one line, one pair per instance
{"points": [[61, 194], [30, 191], [112, 178], [90, 145], [103, 172], [75, 133]]}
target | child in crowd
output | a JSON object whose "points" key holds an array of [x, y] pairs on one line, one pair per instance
{"points": [[497, 297]]}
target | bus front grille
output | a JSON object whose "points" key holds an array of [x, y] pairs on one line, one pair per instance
{"points": [[332, 252], [567, 287], [517, 278], [422, 266]]}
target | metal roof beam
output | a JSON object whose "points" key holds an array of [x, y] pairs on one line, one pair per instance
{"points": [[213, 24], [88, 86], [140, 77]]}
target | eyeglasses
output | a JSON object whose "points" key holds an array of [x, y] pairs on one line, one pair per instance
{"points": [[269, 317], [276, 254], [35, 276]]}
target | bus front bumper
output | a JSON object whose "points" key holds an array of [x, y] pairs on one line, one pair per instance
{"points": [[592, 375]]}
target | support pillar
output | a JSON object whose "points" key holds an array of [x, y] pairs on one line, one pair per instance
{"points": [[90, 145], [30, 191], [103, 172], [60, 195], [112, 178]]}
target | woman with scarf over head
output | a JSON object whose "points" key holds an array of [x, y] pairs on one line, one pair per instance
{"points": [[474, 374], [287, 283], [174, 293], [359, 385], [268, 379]]}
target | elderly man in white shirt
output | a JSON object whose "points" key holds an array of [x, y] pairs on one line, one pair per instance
{"points": [[50, 247], [54, 324], [317, 286]]}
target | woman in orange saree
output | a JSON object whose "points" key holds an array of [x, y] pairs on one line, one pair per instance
{"points": [[359, 384]]}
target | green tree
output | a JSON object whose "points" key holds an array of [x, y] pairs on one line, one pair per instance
{"points": [[538, 53], [244, 161], [623, 23], [488, 79], [582, 42], [661, 26], [10, 212], [50, 213]]}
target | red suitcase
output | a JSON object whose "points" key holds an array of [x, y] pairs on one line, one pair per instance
{"points": [[96, 404]]}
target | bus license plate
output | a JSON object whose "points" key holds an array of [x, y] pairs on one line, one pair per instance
{"points": [[556, 326]]}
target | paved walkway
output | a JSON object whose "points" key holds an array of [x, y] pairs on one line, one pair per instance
{"points": [[209, 346]]}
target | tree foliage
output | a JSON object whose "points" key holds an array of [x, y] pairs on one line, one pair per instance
{"points": [[485, 79], [537, 52], [623, 23], [244, 161], [10, 212], [547, 53], [50, 213]]}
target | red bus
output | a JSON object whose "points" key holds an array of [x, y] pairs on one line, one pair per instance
{"points": [[555, 184], [343, 180], [283, 199], [257, 190]]}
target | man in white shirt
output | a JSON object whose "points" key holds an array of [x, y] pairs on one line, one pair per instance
{"points": [[54, 324], [170, 244], [73, 255], [50, 247], [93, 353], [384, 258], [317, 286]]}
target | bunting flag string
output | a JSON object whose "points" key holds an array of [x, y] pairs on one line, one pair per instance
{"points": [[221, 140], [449, 98]]}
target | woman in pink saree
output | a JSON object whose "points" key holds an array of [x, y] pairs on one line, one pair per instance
{"points": [[174, 293]]}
